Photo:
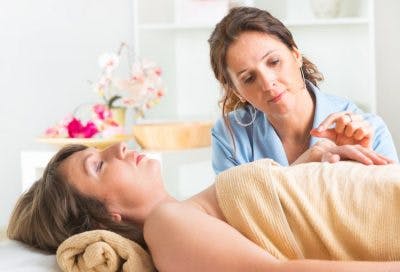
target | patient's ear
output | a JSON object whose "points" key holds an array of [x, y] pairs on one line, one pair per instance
{"points": [[116, 217]]}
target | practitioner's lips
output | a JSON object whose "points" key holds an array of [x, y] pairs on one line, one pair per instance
{"points": [[139, 158], [277, 98]]}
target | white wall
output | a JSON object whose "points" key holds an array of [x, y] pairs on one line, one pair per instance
{"points": [[48, 52], [388, 64]]}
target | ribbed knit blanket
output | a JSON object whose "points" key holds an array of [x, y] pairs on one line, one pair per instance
{"points": [[101, 250], [341, 211]]}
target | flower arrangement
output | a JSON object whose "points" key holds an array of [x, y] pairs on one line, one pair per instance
{"points": [[100, 124], [140, 90]]}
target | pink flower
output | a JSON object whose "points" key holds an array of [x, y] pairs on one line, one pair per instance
{"points": [[139, 87], [77, 130], [53, 132], [160, 93], [158, 71], [109, 61], [102, 111]]}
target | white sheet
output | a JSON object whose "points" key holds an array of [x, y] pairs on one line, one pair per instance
{"points": [[17, 257]]}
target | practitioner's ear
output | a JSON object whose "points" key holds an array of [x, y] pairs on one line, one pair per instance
{"points": [[297, 56], [116, 217]]}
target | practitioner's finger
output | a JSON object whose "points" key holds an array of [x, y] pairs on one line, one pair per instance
{"points": [[331, 119], [351, 152], [330, 157], [327, 133], [358, 130], [388, 160], [373, 156], [339, 120]]}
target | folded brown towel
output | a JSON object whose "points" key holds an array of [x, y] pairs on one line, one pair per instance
{"points": [[102, 250]]}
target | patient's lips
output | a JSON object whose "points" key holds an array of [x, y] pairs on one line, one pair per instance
{"points": [[139, 158]]}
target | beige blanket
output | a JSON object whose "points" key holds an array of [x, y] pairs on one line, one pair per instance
{"points": [[342, 211], [102, 250]]}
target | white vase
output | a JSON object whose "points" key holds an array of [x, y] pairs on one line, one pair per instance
{"points": [[325, 8]]}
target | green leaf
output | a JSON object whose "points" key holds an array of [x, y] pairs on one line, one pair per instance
{"points": [[112, 101]]}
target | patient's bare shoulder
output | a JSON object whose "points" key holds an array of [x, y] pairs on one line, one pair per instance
{"points": [[163, 215], [168, 236]]}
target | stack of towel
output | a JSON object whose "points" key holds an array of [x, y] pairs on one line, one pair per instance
{"points": [[101, 250]]}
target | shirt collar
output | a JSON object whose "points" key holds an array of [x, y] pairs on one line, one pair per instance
{"points": [[323, 107]]}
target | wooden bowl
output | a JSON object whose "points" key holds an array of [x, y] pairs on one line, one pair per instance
{"points": [[173, 135]]}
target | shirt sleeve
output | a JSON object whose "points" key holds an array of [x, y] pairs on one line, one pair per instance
{"points": [[383, 142], [223, 156]]}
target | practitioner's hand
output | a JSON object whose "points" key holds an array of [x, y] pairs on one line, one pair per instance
{"points": [[328, 151], [345, 128], [316, 152], [354, 153]]}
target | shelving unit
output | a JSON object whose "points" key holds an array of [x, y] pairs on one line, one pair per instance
{"points": [[293, 23], [192, 92], [341, 47]]}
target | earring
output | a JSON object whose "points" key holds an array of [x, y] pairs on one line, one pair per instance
{"points": [[251, 110]]}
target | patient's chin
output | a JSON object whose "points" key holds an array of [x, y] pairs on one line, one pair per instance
{"points": [[155, 166]]}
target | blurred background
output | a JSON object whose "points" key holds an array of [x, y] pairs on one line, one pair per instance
{"points": [[49, 52]]}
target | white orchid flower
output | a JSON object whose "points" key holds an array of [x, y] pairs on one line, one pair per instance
{"points": [[108, 61]]}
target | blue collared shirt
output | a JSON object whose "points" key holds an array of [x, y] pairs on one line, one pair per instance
{"points": [[260, 139]]}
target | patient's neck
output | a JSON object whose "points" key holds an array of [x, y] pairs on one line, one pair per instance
{"points": [[138, 215]]}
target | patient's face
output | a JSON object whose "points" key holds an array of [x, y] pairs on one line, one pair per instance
{"points": [[122, 179]]}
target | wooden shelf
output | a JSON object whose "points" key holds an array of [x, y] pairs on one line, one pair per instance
{"points": [[328, 22], [290, 23], [174, 26]]}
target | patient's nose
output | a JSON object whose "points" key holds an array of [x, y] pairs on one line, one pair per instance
{"points": [[121, 150], [116, 150]]}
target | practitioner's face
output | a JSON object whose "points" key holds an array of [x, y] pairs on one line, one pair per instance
{"points": [[122, 179], [265, 72]]}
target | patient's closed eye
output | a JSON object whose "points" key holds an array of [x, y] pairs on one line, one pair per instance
{"points": [[99, 166]]}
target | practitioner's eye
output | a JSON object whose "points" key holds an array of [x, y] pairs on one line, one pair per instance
{"points": [[274, 61], [248, 79]]}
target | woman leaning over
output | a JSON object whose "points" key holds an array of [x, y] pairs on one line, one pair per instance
{"points": [[271, 105]]}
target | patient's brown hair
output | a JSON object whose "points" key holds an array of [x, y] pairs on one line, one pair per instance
{"points": [[52, 210]]}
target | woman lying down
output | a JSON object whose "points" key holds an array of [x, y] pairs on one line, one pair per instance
{"points": [[261, 216]]}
